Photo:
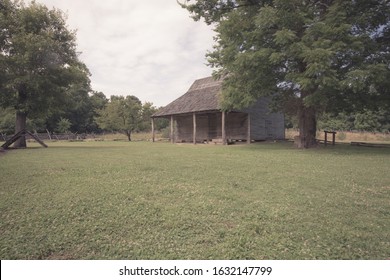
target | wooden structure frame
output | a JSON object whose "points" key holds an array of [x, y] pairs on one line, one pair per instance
{"points": [[22, 133], [196, 117]]}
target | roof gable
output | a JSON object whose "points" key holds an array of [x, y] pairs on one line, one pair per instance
{"points": [[203, 95]]}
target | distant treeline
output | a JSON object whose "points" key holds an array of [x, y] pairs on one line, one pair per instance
{"points": [[378, 121], [90, 113]]}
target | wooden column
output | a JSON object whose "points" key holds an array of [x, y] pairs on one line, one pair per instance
{"points": [[326, 138], [248, 137], [172, 131], [194, 124], [224, 142], [208, 128], [153, 133]]}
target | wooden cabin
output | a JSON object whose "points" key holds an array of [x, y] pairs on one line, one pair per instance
{"points": [[196, 117]]}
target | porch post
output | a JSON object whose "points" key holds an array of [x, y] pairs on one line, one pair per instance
{"points": [[172, 131], [153, 133], [194, 124], [248, 139], [224, 142]]}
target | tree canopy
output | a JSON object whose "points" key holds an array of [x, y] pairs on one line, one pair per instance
{"points": [[126, 115], [310, 56], [44, 83], [39, 62], [121, 114]]}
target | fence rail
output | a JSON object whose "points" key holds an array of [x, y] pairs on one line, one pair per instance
{"points": [[53, 136]]}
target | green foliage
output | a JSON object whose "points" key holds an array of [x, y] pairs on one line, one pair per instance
{"points": [[148, 109], [40, 68], [210, 10], [310, 56], [119, 200], [146, 113], [367, 120], [36, 124], [63, 125], [7, 121], [337, 122], [161, 124], [126, 115], [79, 108], [121, 114], [97, 102]]}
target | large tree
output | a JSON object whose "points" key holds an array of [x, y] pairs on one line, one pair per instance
{"points": [[310, 56], [121, 114], [38, 61]]}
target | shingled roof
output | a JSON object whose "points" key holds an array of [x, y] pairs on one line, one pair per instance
{"points": [[202, 96]]}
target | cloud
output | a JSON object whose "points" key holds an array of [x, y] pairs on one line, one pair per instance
{"points": [[151, 49]]}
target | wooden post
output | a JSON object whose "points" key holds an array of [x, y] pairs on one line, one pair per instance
{"points": [[172, 131], [36, 138], [326, 138], [333, 137], [194, 124], [248, 139], [153, 133], [224, 142], [48, 133], [208, 128], [22, 133]]}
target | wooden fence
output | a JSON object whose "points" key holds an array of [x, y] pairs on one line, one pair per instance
{"points": [[52, 136]]}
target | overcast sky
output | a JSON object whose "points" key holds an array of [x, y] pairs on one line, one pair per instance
{"points": [[151, 49]]}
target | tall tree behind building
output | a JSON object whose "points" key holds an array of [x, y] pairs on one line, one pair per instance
{"points": [[310, 56]]}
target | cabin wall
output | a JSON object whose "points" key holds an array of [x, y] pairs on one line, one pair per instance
{"points": [[205, 128], [183, 129], [202, 128], [236, 126], [265, 124], [209, 126]]}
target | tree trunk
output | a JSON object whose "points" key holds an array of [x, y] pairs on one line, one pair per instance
{"points": [[21, 119], [307, 128], [128, 133]]}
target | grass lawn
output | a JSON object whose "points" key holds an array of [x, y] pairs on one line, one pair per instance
{"points": [[142, 200]]}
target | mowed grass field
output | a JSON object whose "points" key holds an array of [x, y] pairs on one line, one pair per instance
{"points": [[142, 200]]}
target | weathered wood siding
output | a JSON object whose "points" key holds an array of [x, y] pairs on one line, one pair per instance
{"points": [[265, 124], [202, 125], [236, 126], [184, 128]]}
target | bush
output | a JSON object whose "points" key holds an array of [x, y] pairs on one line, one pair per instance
{"points": [[63, 125]]}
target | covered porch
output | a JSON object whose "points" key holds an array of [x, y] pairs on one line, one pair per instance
{"points": [[206, 127]]}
